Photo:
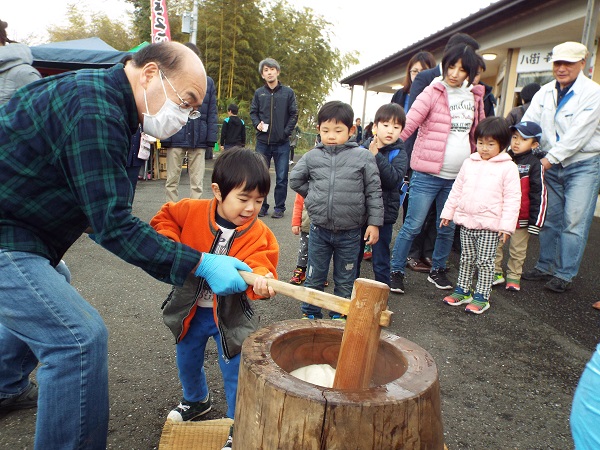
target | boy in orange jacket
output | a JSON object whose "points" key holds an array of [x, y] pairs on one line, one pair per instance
{"points": [[227, 224]]}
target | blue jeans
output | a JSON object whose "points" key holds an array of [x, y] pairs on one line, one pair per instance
{"points": [[425, 189], [381, 254], [281, 157], [572, 196], [322, 245], [190, 361], [585, 412], [43, 318]]}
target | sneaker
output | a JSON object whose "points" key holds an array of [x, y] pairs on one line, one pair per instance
{"points": [[458, 297], [299, 275], [190, 410], [277, 214], [498, 279], [337, 316], [263, 212], [309, 316], [27, 399], [557, 285], [368, 253], [291, 162], [513, 285], [478, 305], [536, 274], [438, 277], [229, 443], [397, 282]]}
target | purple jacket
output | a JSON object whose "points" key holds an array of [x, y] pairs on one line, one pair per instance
{"points": [[430, 113]]}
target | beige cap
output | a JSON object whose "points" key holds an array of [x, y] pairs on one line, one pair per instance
{"points": [[569, 51]]}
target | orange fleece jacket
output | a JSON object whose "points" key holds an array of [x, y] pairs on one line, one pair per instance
{"points": [[192, 222]]}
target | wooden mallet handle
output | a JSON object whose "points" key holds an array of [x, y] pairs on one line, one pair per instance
{"points": [[314, 297]]}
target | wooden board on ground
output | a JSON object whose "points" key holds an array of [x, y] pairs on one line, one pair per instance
{"points": [[201, 435]]}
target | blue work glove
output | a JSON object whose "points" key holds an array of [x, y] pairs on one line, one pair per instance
{"points": [[221, 273]]}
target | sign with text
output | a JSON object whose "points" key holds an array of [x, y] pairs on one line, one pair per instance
{"points": [[160, 21], [535, 59]]}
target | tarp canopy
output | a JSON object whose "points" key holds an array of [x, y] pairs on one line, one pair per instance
{"points": [[91, 53]]}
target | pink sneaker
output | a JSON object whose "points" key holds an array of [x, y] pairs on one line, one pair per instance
{"points": [[513, 286]]}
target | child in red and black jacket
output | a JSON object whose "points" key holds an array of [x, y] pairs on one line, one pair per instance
{"points": [[525, 140]]}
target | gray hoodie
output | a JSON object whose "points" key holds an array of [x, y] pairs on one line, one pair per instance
{"points": [[15, 69]]}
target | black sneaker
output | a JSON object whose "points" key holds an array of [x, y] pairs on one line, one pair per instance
{"points": [[27, 399], [263, 212], [557, 285], [190, 410], [397, 282], [536, 274], [438, 277], [277, 214], [229, 443]]}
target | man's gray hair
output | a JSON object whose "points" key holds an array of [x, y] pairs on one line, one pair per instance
{"points": [[269, 62]]}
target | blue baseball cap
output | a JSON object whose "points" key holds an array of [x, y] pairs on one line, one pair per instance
{"points": [[528, 130]]}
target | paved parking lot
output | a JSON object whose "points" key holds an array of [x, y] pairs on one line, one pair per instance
{"points": [[507, 377]]}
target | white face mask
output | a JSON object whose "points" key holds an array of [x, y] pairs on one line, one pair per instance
{"points": [[167, 121]]}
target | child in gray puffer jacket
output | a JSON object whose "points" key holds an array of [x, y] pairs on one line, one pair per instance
{"points": [[341, 187]]}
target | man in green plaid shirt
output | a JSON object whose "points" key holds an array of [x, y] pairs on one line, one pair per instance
{"points": [[63, 147]]}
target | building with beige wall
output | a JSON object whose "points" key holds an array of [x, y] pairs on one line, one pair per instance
{"points": [[518, 34]]}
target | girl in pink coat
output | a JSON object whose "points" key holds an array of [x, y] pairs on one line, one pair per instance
{"points": [[485, 199]]}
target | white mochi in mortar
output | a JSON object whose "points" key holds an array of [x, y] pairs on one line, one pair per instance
{"points": [[319, 374]]}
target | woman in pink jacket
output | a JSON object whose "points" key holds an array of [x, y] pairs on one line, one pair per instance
{"points": [[446, 114], [485, 200]]}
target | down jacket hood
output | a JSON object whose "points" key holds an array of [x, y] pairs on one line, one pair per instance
{"points": [[12, 55], [15, 69]]}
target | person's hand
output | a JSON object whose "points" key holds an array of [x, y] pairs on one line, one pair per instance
{"points": [[371, 235], [373, 146], [296, 230], [444, 223], [259, 127], [261, 286], [221, 273], [547, 164], [503, 236]]}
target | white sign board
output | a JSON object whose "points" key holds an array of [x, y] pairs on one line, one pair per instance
{"points": [[535, 59]]}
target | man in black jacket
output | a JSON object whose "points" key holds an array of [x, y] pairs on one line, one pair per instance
{"points": [[274, 114]]}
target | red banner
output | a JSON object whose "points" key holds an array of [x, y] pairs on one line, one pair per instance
{"points": [[160, 21]]}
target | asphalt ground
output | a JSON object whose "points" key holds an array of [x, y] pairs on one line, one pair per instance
{"points": [[507, 377]]}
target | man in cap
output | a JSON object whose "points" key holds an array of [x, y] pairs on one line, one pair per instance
{"points": [[568, 110], [63, 152]]}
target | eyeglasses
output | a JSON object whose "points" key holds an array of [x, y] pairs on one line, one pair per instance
{"points": [[414, 71], [183, 106]]}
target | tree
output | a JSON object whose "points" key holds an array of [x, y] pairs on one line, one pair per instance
{"points": [[82, 24], [300, 42], [235, 35]]}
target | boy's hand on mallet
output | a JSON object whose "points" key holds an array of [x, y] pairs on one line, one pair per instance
{"points": [[261, 286]]}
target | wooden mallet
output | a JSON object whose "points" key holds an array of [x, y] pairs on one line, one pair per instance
{"points": [[366, 313]]}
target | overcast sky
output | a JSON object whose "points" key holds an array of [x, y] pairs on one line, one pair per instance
{"points": [[376, 28]]}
